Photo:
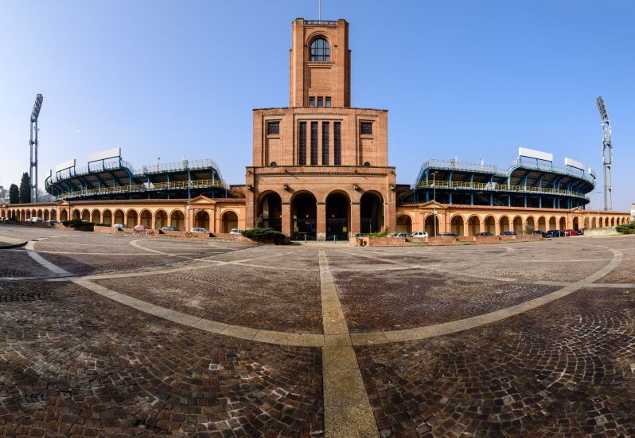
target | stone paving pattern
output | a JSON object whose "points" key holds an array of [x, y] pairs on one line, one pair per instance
{"points": [[74, 363]]}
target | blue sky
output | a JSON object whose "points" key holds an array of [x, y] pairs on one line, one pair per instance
{"points": [[178, 79]]}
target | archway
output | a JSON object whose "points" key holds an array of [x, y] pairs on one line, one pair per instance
{"points": [[612, 221], [530, 225], [576, 225], [160, 219], [95, 217], [432, 225], [456, 225], [542, 224], [201, 220], [504, 224], [490, 225], [594, 223], [146, 219], [303, 216], [46, 215], [371, 213], [131, 218], [518, 225], [404, 224], [85, 215], [473, 226], [563, 223], [229, 221], [269, 211], [76, 215], [552, 223], [586, 223], [40, 214], [177, 220], [107, 217], [119, 217], [338, 207], [63, 216], [53, 215]]}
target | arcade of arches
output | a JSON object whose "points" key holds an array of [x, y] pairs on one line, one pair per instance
{"points": [[336, 215]]}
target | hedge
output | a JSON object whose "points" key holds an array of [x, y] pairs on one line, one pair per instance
{"points": [[626, 228], [79, 225], [266, 235]]}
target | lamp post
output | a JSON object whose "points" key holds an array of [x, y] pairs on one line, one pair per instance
{"points": [[434, 221]]}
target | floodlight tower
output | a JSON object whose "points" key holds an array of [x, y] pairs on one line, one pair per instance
{"points": [[33, 144], [607, 154]]}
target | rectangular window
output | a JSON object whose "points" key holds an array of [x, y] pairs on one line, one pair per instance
{"points": [[325, 143], [273, 128], [312, 101], [302, 144], [337, 143], [314, 143], [320, 103], [366, 128], [328, 101]]}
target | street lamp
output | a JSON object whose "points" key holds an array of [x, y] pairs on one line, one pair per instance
{"points": [[434, 221]]}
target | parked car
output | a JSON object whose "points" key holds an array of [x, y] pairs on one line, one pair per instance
{"points": [[580, 232], [140, 227], [556, 233], [448, 234], [485, 234], [419, 235], [401, 235], [540, 233], [35, 220], [199, 230], [570, 233], [119, 227], [167, 229], [508, 233], [236, 232]]}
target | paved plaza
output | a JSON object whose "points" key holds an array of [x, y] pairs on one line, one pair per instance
{"points": [[132, 336]]}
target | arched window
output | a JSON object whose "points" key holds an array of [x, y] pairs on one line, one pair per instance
{"points": [[320, 50]]}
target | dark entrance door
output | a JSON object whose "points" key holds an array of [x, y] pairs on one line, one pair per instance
{"points": [[338, 209]]}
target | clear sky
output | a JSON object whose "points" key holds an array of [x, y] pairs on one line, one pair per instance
{"points": [[178, 79]]}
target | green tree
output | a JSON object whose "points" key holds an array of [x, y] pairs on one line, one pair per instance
{"points": [[14, 194], [25, 189]]}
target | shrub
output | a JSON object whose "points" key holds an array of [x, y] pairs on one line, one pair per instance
{"points": [[266, 235], [626, 228], [379, 234], [79, 225]]}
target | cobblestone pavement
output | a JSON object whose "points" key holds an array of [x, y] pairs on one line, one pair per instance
{"points": [[75, 363]]}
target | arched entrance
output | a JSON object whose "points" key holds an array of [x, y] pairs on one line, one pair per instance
{"points": [[338, 208], [371, 213], [552, 223], [576, 225], [53, 215], [542, 224], [85, 216], [456, 225], [201, 220], [177, 220], [563, 223], [530, 226], [474, 226], [431, 225], [518, 225], [490, 225], [63, 216], [146, 219], [404, 224], [95, 217], [46, 215], [119, 218], [229, 221], [270, 211], [303, 216], [131, 218], [160, 219], [107, 217], [76, 215]]}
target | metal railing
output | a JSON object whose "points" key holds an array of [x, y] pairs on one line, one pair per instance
{"points": [[459, 165], [139, 188], [320, 22], [549, 167], [494, 187]]}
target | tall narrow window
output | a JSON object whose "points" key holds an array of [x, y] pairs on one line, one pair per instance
{"points": [[320, 50], [314, 143], [327, 100], [325, 143], [311, 101], [302, 144], [337, 143], [320, 103]]}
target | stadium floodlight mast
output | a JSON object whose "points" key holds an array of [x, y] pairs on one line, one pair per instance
{"points": [[33, 144], [607, 154]]}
